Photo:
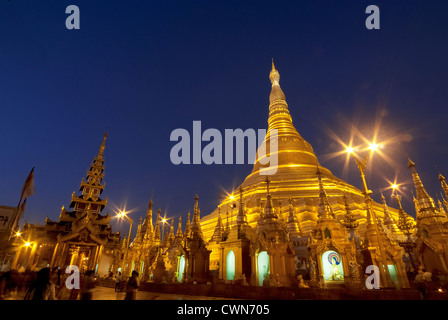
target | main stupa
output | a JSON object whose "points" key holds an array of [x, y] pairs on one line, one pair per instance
{"points": [[296, 178]]}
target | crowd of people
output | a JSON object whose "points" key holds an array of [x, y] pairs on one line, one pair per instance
{"points": [[50, 284], [426, 282]]}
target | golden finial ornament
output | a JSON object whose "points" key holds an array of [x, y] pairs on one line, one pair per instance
{"points": [[103, 144], [274, 76]]}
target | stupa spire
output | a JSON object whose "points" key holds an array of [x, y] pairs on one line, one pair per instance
{"points": [[274, 76], [171, 235], [404, 222], [196, 223], [179, 235], [157, 228], [62, 212], [388, 220], [425, 202], [241, 217], [179, 229], [138, 236], [387, 216], [188, 226], [444, 185], [268, 208], [219, 229], [148, 227], [92, 187], [350, 220], [103, 144], [325, 210]]}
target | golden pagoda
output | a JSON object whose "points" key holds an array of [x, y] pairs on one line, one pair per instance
{"points": [[295, 179]]}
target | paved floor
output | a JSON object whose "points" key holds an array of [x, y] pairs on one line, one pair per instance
{"points": [[105, 293]]}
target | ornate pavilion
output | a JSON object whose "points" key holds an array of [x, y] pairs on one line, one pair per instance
{"points": [[81, 237]]}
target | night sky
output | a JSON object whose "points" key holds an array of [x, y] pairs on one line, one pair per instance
{"points": [[140, 69]]}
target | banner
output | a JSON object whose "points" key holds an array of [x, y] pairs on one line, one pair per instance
{"points": [[7, 216]]}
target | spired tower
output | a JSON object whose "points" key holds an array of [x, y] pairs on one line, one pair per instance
{"points": [[195, 252], [93, 187], [330, 248], [89, 232], [431, 229], [295, 178], [81, 237]]}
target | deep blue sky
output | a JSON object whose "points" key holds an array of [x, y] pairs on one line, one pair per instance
{"points": [[141, 69]]}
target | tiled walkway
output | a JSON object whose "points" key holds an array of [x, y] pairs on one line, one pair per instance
{"points": [[105, 293]]}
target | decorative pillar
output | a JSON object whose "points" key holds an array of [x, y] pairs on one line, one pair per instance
{"points": [[30, 261], [97, 257], [16, 258], [53, 258], [63, 257]]}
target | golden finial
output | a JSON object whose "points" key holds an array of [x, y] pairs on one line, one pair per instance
{"points": [[410, 163], [103, 144], [274, 76], [267, 185]]}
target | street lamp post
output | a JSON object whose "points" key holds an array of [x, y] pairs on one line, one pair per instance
{"points": [[362, 164], [163, 228], [122, 214]]}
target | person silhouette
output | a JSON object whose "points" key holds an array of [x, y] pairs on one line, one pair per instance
{"points": [[42, 288], [132, 287]]}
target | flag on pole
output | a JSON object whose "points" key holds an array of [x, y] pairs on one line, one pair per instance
{"points": [[27, 190], [28, 187], [15, 222], [21, 209]]}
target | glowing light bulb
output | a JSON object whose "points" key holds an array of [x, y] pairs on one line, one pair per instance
{"points": [[349, 149], [373, 146], [121, 214]]}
